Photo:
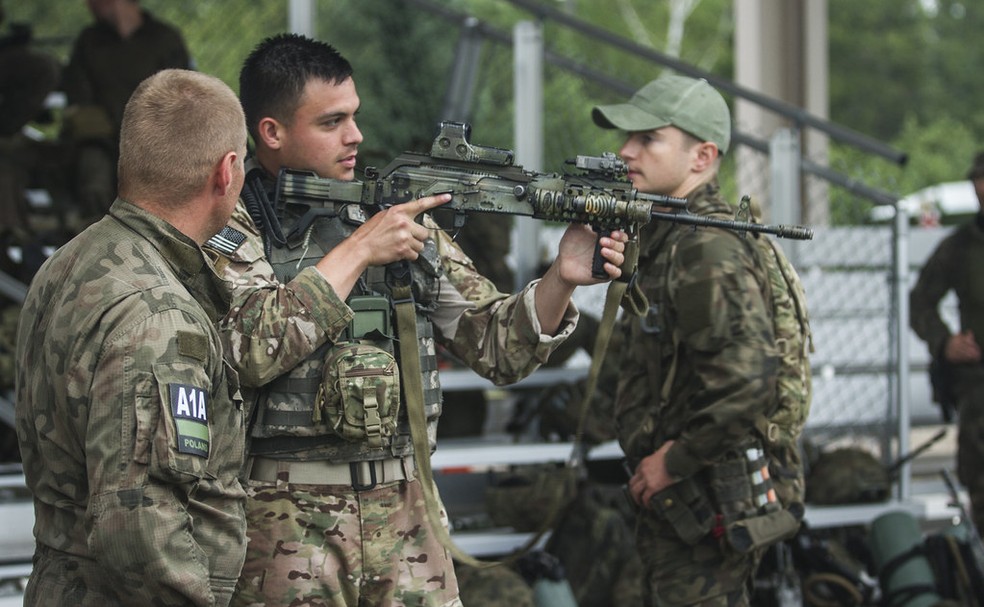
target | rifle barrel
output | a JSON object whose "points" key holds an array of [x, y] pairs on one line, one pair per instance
{"points": [[782, 231]]}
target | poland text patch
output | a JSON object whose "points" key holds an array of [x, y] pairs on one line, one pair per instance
{"points": [[190, 411]]}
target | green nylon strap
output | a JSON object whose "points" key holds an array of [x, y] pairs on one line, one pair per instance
{"points": [[617, 290], [413, 389], [406, 321], [613, 299]]}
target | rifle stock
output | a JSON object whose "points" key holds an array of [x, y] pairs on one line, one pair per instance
{"points": [[484, 179]]}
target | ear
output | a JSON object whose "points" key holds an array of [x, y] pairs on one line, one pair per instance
{"points": [[705, 153], [223, 175], [270, 132]]}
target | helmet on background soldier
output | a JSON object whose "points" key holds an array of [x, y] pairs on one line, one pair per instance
{"points": [[848, 475]]}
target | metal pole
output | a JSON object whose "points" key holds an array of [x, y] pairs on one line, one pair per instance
{"points": [[785, 189], [528, 135], [901, 271], [784, 156], [300, 18]]}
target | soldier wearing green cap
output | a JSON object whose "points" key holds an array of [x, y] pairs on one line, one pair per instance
{"points": [[698, 374], [956, 265]]}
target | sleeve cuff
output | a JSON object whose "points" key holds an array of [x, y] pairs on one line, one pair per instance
{"points": [[567, 325], [328, 311], [680, 462]]}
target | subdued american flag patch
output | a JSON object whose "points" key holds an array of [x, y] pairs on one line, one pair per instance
{"points": [[226, 241]]}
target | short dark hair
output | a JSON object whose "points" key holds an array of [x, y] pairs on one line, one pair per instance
{"points": [[275, 73]]}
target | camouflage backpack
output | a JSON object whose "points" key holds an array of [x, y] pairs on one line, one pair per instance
{"points": [[794, 339], [499, 586], [595, 543]]}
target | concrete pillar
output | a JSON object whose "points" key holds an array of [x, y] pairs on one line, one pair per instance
{"points": [[781, 51]]}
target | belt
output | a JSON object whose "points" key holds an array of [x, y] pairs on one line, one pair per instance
{"points": [[361, 476]]}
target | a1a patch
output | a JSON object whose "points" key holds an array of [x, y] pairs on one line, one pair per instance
{"points": [[190, 411]]}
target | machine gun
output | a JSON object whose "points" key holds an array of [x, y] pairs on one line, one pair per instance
{"points": [[483, 179]]}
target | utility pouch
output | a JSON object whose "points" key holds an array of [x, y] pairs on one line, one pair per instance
{"points": [[359, 395], [753, 516], [762, 531], [684, 505], [732, 489]]}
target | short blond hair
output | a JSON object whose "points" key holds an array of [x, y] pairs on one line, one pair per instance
{"points": [[176, 126]]}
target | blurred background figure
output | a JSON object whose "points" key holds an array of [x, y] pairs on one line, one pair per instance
{"points": [[26, 78], [958, 375], [123, 46]]}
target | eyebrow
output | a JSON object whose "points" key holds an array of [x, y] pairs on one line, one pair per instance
{"points": [[332, 116]]}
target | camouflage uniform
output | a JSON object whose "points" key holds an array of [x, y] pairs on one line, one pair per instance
{"points": [[698, 369], [486, 241], [130, 423], [334, 543], [955, 265]]}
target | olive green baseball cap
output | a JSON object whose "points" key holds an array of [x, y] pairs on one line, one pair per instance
{"points": [[689, 104]]}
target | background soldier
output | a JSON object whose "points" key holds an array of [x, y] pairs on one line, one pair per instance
{"points": [[956, 265], [109, 59]]}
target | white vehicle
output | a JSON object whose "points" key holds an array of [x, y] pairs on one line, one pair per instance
{"points": [[935, 204]]}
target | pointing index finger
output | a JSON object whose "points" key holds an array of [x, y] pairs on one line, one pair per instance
{"points": [[422, 205]]}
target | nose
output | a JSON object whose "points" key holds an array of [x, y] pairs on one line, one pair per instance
{"points": [[627, 150], [353, 136]]}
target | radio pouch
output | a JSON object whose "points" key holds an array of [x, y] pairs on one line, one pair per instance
{"points": [[359, 395]]}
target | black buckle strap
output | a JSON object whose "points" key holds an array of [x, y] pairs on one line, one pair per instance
{"points": [[354, 469]]}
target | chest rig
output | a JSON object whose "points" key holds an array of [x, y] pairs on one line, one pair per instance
{"points": [[344, 401]]}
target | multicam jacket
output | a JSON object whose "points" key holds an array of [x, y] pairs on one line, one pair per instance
{"points": [[700, 367], [277, 325], [130, 424]]}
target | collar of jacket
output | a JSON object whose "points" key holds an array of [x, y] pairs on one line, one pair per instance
{"points": [[181, 253]]}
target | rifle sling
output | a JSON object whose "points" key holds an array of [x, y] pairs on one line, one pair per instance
{"points": [[624, 290], [406, 321], [406, 326]]}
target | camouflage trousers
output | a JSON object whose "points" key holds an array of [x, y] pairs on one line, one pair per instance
{"points": [[709, 573], [331, 546]]}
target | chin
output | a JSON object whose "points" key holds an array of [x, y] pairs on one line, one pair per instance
{"points": [[343, 175]]}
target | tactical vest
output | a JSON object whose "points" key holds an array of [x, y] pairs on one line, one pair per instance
{"points": [[344, 401]]}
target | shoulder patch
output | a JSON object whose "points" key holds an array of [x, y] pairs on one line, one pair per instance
{"points": [[193, 345], [226, 241], [190, 411]]}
